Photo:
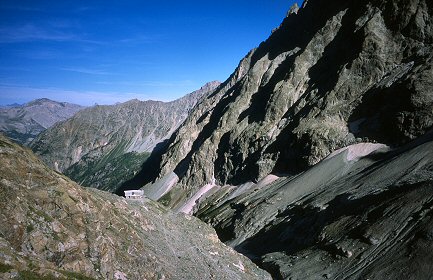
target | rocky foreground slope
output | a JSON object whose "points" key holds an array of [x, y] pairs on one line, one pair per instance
{"points": [[335, 73], [104, 146], [52, 228], [23, 123]]}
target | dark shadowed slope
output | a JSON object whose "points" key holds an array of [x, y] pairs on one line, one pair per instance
{"points": [[361, 214]]}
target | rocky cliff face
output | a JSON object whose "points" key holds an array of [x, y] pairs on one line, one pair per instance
{"points": [[23, 123], [51, 228], [314, 159], [103, 146], [332, 75]]}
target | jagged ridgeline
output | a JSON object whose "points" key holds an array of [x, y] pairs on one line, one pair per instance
{"points": [[52, 228], [335, 73], [104, 146]]}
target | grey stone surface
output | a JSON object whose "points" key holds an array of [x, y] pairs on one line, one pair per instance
{"points": [[347, 217]]}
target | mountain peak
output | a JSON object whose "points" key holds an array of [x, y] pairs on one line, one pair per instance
{"points": [[41, 101], [210, 85], [294, 9]]}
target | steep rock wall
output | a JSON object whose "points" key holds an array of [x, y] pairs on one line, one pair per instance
{"points": [[333, 74]]}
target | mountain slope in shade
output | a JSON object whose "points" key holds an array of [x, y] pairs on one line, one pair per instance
{"points": [[332, 75], [364, 213], [104, 146], [23, 123], [52, 228]]}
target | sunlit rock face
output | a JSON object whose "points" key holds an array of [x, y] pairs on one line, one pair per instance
{"points": [[52, 228], [333, 74], [315, 158]]}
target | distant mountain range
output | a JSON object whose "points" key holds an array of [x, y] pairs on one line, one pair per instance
{"points": [[104, 146], [23, 123], [11, 105]]}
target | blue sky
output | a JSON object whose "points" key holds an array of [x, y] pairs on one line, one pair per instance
{"points": [[104, 52]]}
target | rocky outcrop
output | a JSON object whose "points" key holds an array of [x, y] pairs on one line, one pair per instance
{"points": [[23, 123], [365, 212], [332, 75], [103, 146], [52, 228]]}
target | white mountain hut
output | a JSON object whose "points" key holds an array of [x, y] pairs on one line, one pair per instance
{"points": [[134, 194]]}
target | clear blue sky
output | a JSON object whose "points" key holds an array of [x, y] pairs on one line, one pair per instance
{"points": [[104, 52]]}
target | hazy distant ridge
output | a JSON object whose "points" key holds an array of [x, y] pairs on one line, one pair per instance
{"points": [[23, 123]]}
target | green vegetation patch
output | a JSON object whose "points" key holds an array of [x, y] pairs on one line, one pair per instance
{"points": [[41, 214], [107, 173], [30, 228], [165, 199], [31, 275], [5, 267], [67, 275]]}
